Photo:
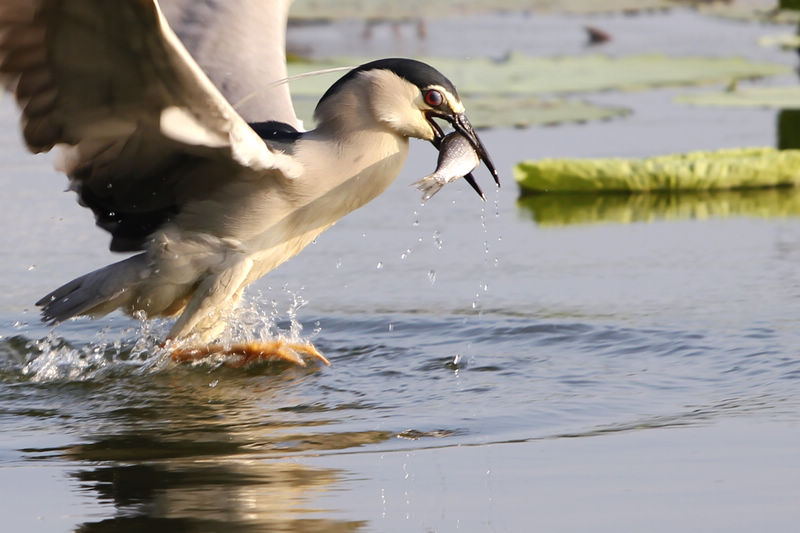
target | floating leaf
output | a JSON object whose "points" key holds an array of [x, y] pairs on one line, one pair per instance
{"points": [[494, 112], [415, 9], [723, 169], [391, 10], [562, 209], [786, 97], [764, 13], [785, 41], [519, 74]]}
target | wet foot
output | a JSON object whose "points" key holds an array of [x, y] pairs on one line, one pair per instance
{"points": [[250, 352]]}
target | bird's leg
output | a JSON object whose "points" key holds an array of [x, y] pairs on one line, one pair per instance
{"points": [[215, 296], [205, 317]]}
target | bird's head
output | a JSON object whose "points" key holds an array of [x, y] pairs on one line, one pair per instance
{"points": [[404, 96]]}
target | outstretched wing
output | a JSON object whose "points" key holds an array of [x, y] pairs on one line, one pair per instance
{"points": [[241, 46], [144, 130]]}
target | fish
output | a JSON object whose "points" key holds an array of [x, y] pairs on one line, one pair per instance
{"points": [[457, 158]]}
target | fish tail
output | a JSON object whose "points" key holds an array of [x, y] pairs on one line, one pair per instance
{"points": [[429, 185]]}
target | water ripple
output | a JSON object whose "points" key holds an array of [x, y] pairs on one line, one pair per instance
{"points": [[449, 378]]}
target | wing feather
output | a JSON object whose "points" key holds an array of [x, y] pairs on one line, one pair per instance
{"points": [[143, 129], [241, 46]]}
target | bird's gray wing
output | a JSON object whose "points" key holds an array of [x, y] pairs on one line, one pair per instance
{"points": [[241, 46], [143, 129]]}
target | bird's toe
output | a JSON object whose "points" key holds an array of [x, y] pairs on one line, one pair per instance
{"points": [[243, 354]]}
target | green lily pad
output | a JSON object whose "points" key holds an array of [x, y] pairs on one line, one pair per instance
{"points": [[563, 209], [519, 74], [416, 9], [785, 97], [391, 10], [698, 171], [511, 112], [486, 111], [765, 12], [786, 41]]}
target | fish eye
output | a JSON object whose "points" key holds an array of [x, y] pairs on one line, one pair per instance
{"points": [[433, 98]]}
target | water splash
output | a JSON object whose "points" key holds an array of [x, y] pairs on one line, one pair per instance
{"points": [[54, 358], [137, 349], [262, 318]]}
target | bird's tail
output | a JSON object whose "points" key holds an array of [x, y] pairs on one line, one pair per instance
{"points": [[95, 293]]}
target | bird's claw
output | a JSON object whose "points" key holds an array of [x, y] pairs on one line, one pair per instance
{"points": [[276, 350]]}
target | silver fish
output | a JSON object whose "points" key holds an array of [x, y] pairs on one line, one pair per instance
{"points": [[457, 158]]}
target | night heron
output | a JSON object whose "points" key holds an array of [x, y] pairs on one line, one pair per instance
{"points": [[172, 169]]}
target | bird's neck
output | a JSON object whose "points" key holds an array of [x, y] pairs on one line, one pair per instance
{"points": [[350, 165]]}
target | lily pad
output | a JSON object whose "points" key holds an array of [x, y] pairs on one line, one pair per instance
{"points": [[765, 12], [415, 9], [563, 209], [698, 171], [520, 74], [784, 97], [785, 41], [517, 112]]}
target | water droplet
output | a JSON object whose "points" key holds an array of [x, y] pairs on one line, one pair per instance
{"points": [[379, 265], [391, 326], [31, 267], [432, 276], [339, 263], [416, 219], [214, 383], [437, 240]]}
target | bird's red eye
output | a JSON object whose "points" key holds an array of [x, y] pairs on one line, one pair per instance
{"points": [[433, 98]]}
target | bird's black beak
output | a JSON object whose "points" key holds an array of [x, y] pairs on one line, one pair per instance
{"points": [[463, 126]]}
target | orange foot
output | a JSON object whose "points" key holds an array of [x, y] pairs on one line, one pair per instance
{"points": [[272, 351]]}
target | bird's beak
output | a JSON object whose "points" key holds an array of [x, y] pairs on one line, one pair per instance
{"points": [[463, 126]]}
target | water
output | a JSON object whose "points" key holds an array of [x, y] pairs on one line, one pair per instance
{"points": [[495, 367]]}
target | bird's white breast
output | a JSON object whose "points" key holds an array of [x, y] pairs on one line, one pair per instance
{"points": [[336, 179]]}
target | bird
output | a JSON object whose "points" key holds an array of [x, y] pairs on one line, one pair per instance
{"points": [[208, 195]]}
